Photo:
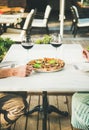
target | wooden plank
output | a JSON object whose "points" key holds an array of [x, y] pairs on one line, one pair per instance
{"points": [[69, 100], [65, 121], [53, 118], [20, 124], [32, 119], [40, 116]]}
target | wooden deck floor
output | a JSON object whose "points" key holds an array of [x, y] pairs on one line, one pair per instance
{"points": [[54, 122]]}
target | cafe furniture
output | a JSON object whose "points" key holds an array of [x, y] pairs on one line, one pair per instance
{"points": [[17, 34], [66, 81], [78, 22], [9, 16], [9, 20], [42, 23]]}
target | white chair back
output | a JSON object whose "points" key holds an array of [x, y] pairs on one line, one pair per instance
{"points": [[76, 11], [28, 22], [47, 13]]}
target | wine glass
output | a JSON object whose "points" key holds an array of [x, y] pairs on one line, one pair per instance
{"points": [[27, 44], [56, 41]]}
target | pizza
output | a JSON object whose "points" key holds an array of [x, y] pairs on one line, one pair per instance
{"points": [[47, 64]]}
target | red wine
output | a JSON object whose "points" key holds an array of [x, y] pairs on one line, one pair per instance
{"points": [[27, 46], [56, 44]]}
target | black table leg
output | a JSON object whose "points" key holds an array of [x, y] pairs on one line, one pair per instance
{"points": [[46, 109], [45, 105]]}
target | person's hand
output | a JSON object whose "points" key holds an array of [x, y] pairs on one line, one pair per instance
{"points": [[86, 54], [22, 71], [28, 70]]}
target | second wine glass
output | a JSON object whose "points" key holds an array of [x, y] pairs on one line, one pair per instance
{"points": [[56, 41]]}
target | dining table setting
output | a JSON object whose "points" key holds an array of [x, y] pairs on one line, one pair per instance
{"points": [[72, 76], [57, 70]]}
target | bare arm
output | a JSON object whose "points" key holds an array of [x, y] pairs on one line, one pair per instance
{"points": [[5, 72], [20, 71]]}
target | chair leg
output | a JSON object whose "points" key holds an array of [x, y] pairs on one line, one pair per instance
{"points": [[72, 26], [75, 31], [47, 30]]}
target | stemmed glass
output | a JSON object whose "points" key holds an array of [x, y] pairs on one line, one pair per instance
{"points": [[56, 41], [27, 44]]}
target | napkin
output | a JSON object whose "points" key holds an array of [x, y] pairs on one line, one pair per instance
{"points": [[82, 66]]}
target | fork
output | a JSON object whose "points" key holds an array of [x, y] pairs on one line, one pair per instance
{"points": [[12, 65], [75, 67]]}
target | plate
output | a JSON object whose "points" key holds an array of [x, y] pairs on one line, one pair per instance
{"points": [[47, 64]]}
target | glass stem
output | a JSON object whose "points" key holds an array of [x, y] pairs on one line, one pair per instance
{"points": [[27, 55], [56, 52]]}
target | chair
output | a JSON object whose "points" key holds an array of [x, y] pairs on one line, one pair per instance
{"points": [[43, 22], [77, 22], [17, 34]]}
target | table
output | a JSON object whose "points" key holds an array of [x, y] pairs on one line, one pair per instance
{"points": [[71, 54], [22, 15], [9, 19], [67, 80]]}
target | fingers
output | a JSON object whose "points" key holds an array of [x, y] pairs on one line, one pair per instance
{"points": [[86, 54], [28, 70], [22, 71]]}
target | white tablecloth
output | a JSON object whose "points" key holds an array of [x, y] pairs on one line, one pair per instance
{"points": [[67, 80]]}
